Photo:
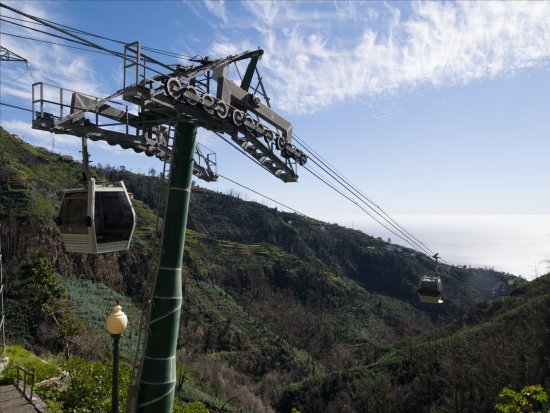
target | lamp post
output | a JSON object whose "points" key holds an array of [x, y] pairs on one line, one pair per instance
{"points": [[116, 324]]}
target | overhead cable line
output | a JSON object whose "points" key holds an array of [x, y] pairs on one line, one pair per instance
{"points": [[19, 76], [88, 42], [337, 176], [54, 26], [15, 107], [262, 195], [53, 35], [75, 30], [356, 203], [353, 193], [404, 234], [56, 44], [347, 187]]}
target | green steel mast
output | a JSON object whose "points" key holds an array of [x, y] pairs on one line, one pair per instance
{"points": [[158, 377]]}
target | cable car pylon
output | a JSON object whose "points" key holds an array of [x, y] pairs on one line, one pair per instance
{"points": [[157, 383], [161, 103]]}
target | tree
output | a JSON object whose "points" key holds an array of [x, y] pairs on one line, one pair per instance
{"points": [[45, 285], [47, 300], [530, 399]]}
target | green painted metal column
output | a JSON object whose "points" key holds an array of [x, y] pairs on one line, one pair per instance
{"points": [[158, 376]]}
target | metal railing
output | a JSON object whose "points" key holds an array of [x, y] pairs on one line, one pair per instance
{"points": [[23, 375]]}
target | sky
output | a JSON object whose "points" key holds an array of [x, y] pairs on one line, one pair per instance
{"points": [[438, 111]]}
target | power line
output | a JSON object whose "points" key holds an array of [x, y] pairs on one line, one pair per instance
{"points": [[19, 76], [56, 44], [262, 195], [348, 185], [53, 26], [75, 30], [15, 107], [88, 42], [356, 203]]}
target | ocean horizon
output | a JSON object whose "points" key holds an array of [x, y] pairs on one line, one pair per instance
{"points": [[513, 243]]}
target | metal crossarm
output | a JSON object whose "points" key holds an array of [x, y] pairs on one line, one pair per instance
{"points": [[159, 104], [64, 111], [7, 55]]}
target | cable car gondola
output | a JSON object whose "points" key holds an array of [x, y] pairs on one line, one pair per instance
{"points": [[431, 289], [96, 219]]}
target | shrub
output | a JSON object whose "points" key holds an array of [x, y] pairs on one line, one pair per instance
{"points": [[18, 356], [88, 389]]}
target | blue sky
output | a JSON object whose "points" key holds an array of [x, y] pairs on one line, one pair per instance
{"points": [[436, 110]]}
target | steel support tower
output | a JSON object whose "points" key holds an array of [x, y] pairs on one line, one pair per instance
{"points": [[158, 111]]}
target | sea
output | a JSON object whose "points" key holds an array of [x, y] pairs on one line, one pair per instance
{"points": [[515, 244]]}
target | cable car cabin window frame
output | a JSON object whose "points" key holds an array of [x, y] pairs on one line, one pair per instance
{"points": [[114, 222], [90, 241], [69, 222]]}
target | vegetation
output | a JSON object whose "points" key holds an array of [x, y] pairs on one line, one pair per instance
{"points": [[18, 356], [529, 399], [283, 314], [459, 367], [86, 389]]}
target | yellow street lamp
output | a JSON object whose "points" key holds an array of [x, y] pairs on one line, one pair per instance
{"points": [[116, 324]]}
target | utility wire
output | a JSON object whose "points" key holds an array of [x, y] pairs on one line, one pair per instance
{"points": [[88, 42], [75, 30], [56, 44], [43, 32], [19, 76], [356, 203], [345, 186], [15, 107], [262, 195], [363, 198]]}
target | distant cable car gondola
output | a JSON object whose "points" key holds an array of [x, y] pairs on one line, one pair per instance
{"points": [[96, 219], [431, 289]]}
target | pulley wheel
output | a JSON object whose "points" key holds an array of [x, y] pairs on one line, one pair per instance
{"points": [[268, 136], [280, 142], [260, 129], [208, 103], [191, 89], [237, 117], [222, 109], [172, 87], [249, 123]]}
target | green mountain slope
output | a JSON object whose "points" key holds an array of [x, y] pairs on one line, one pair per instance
{"points": [[272, 302], [460, 367]]}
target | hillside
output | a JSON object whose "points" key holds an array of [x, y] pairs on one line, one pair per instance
{"points": [[460, 367], [276, 301]]}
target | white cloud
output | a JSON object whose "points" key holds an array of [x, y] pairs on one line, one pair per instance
{"points": [[217, 8], [48, 63], [316, 56], [39, 137]]}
